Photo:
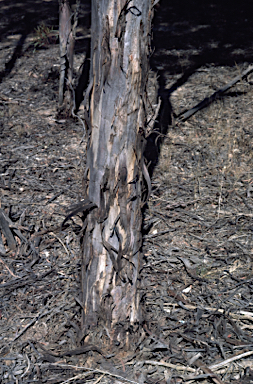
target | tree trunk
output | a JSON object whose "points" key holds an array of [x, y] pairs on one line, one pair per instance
{"points": [[116, 179], [67, 43]]}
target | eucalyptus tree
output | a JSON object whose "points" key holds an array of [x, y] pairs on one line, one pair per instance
{"points": [[116, 182]]}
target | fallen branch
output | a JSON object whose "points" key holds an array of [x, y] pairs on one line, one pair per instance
{"points": [[216, 95]]}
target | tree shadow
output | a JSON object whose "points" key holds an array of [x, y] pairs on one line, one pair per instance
{"points": [[16, 54], [21, 18], [189, 35], [186, 36], [164, 120]]}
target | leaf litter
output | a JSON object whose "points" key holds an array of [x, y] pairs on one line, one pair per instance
{"points": [[197, 243]]}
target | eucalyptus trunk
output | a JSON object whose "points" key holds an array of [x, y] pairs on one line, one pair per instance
{"points": [[116, 179], [67, 44]]}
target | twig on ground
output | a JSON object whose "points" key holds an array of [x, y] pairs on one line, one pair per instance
{"points": [[230, 360], [94, 371], [169, 365], [53, 234], [80, 376], [239, 315]]}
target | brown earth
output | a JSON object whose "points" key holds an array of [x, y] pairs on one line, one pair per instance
{"points": [[197, 276]]}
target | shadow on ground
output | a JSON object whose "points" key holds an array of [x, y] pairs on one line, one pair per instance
{"points": [[189, 35], [22, 19]]}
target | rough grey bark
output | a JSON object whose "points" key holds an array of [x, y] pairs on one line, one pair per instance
{"points": [[116, 175], [67, 43]]}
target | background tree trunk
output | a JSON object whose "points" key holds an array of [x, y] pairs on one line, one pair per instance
{"points": [[67, 44], [116, 173]]}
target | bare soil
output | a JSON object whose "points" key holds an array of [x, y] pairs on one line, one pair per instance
{"points": [[197, 275]]}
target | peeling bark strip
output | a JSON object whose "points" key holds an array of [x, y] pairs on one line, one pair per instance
{"points": [[114, 176]]}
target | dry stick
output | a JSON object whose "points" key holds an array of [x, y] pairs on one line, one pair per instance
{"points": [[67, 366], [177, 367], [230, 360], [208, 100], [28, 367], [207, 369], [240, 315], [236, 367], [80, 376], [53, 234]]}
